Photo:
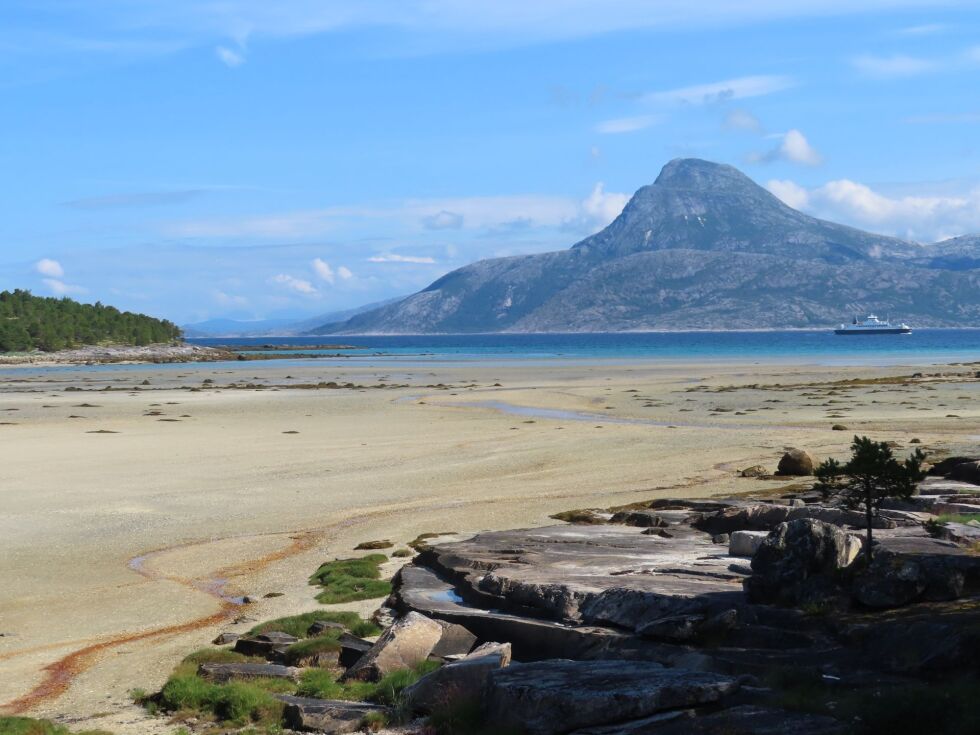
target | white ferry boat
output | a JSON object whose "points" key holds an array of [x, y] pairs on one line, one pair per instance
{"points": [[873, 325]]}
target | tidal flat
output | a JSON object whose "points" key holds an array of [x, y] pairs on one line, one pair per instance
{"points": [[140, 504]]}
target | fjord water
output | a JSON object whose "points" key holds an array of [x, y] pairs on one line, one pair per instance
{"points": [[923, 346]]}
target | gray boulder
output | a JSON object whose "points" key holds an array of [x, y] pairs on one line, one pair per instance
{"points": [[966, 472], [226, 672], [640, 518], [456, 640], [745, 543], [893, 580], [796, 463], [405, 644], [756, 470], [319, 627], [559, 696], [265, 644], [460, 680], [798, 560], [325, 715]]}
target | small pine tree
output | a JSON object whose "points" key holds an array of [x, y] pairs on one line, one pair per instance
{"points": [[869, 476]]}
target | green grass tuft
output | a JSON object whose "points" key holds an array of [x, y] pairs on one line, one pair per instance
{"points": [[30, 726], [348, 580], [297, 625]]}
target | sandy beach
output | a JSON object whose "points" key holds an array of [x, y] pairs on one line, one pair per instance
{"points": [[132, 519]]}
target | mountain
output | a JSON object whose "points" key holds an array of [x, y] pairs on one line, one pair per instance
{"points": [[274, 327], [703, 247]]}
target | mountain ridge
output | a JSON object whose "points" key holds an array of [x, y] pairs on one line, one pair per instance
{"points": [[702, 247]]}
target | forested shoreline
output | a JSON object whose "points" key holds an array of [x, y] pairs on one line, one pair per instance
{"points": [[29, 322]]}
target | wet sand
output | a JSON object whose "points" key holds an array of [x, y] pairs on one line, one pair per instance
{"points": [[133, 520]]}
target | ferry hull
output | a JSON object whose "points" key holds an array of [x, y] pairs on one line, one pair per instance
{"points": [[886, 330]]}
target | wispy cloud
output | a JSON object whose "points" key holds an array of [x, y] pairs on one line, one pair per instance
{"points": [[944, 118], [298, 285], [395, 258], [135, 199], [229, 57], [443, 220], [729, 89], [897, 65], [323, 270], [60, 288], [743, 120], [628, 124]]}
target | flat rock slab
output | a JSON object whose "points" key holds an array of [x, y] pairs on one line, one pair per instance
{"points": [[591, 574], [559, 696], [742, 720], [325, 715], [226, 672], [264, 644]]}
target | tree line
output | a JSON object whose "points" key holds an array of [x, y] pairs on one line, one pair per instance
{"points": [[29, 322]]}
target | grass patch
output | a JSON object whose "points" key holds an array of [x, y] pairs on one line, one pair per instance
{"points": [[373, 545], [30, 726], [322, 683], [957, 517], [401, 553], [297, 625], [237, 702], [348, 580]]}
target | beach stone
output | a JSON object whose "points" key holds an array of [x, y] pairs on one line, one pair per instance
{"points": [[560, 696], [838, 427], [460, 680], [319, 627], [756, 470], [640, 518], [264, 644], [455, 640], [745, 543], [405, 644], [966, 472], [225, 638], [352, 649], [325, 715], [225, 672], [796, 463], [796, 560]]}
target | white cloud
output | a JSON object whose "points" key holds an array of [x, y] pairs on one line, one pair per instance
{"points": [[443, 220], [294, 284], [323, 270], [925, 217], [789, 192], [60, 288], [50, 268], [893, 66], [229, 57], [603, 206], [227, 299], [927, 29], [344, 273], [743, 120], [793, 147], [628, 124], [394, 258], [729, 89]]}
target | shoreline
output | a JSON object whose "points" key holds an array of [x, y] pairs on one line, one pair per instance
{"points": [[208, 481]]}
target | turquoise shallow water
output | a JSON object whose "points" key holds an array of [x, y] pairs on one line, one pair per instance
{"points": [[923, 346]]}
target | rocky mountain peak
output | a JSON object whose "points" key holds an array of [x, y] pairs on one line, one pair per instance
{"points": [[701, 175]]}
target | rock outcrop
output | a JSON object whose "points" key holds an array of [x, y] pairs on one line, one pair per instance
{"points": [[796, 463], [552, 697], [798, 561]]}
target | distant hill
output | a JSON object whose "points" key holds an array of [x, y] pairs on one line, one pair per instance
{"points": [[276, 327], [703, 247], [29, 322]]}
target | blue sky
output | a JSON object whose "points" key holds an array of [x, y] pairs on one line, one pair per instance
{"points": [[242, 158]]}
